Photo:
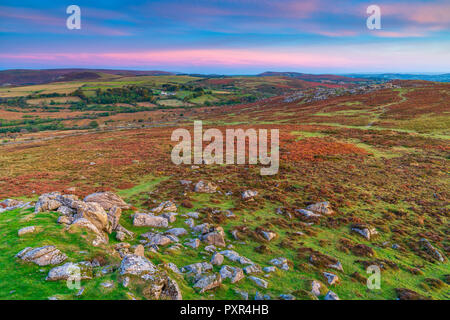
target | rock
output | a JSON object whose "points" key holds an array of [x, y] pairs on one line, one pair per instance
{"points": [[107, 200], [233, 273], [248, 194], [172, 266], [156, 239], [243, 294], [64, 220], [193, 243], [215, 238], [431, 250], [205, 187], [331, 278], [43, 256], [202, 228], [269, 269], [136, 265], [107, 284], [171, 291], [139, 250], [148, 220], [11, 204], [365, 230], [287, 297], [66, 211], [114, 217], [48, 202], [81, 271], [281, 263], [259, 282], [259, 296], [177, 232], [26, 230], [93, 212], [217, 259], [166, 206], [235, 257], [190, 222], [407, 294], [185, 182], [331, 296], [315, 288], [170, 216], [208, 282], [307, 213], [193, 215], [320, 207], [101, 237], [197, 268], [210, 248], [268, 235], [253, 268]]}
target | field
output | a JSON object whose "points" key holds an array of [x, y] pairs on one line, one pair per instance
{"points": [[379, 157]]}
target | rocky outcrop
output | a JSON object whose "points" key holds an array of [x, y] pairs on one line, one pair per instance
{"points": [[11, 204], [43, 256]]}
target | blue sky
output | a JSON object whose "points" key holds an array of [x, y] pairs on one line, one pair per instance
{"points": [[234, 37]]}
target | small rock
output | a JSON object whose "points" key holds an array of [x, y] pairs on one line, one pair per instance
{"points": [[331, 296], [259, 282], [331, 278], [26, 230], [217, 259]]}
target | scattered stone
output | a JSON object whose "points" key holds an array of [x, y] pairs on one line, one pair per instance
{"points": [[321, 207], [177, 232], [193, 215], [205, 187], [202, 228], [268, 235], [259, 282], [243, 294], [253, 268], [156, 239], [315, 288], [190, 223], [66, 211], [287, 297], [281, 263], [107, 284], [331, 278], [233, 273], [170, 216], [193, 243], [431, 250], [47, 255], [215, 238], [365, 230], [26, 230], [81, 270], [307, 213], [166, 206], [136, 265], [197, 268], [331, 296], [249, 194], [235, 257], [269, 269], [217, 259], [208, 282], [65, 220], [149, 220], [139, 250]]}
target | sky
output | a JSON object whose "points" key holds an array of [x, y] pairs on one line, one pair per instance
{"points": [[228, 36]]}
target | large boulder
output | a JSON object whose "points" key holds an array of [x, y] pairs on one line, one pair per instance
{"points": [[107, 200], [149, 220], [43, 256]]}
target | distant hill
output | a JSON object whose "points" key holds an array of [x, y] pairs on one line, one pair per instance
{"points": [[311, 77], [20, 77], [400, 76]]}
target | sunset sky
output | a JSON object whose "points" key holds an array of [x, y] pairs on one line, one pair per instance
{"points": [[228, 36]]}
